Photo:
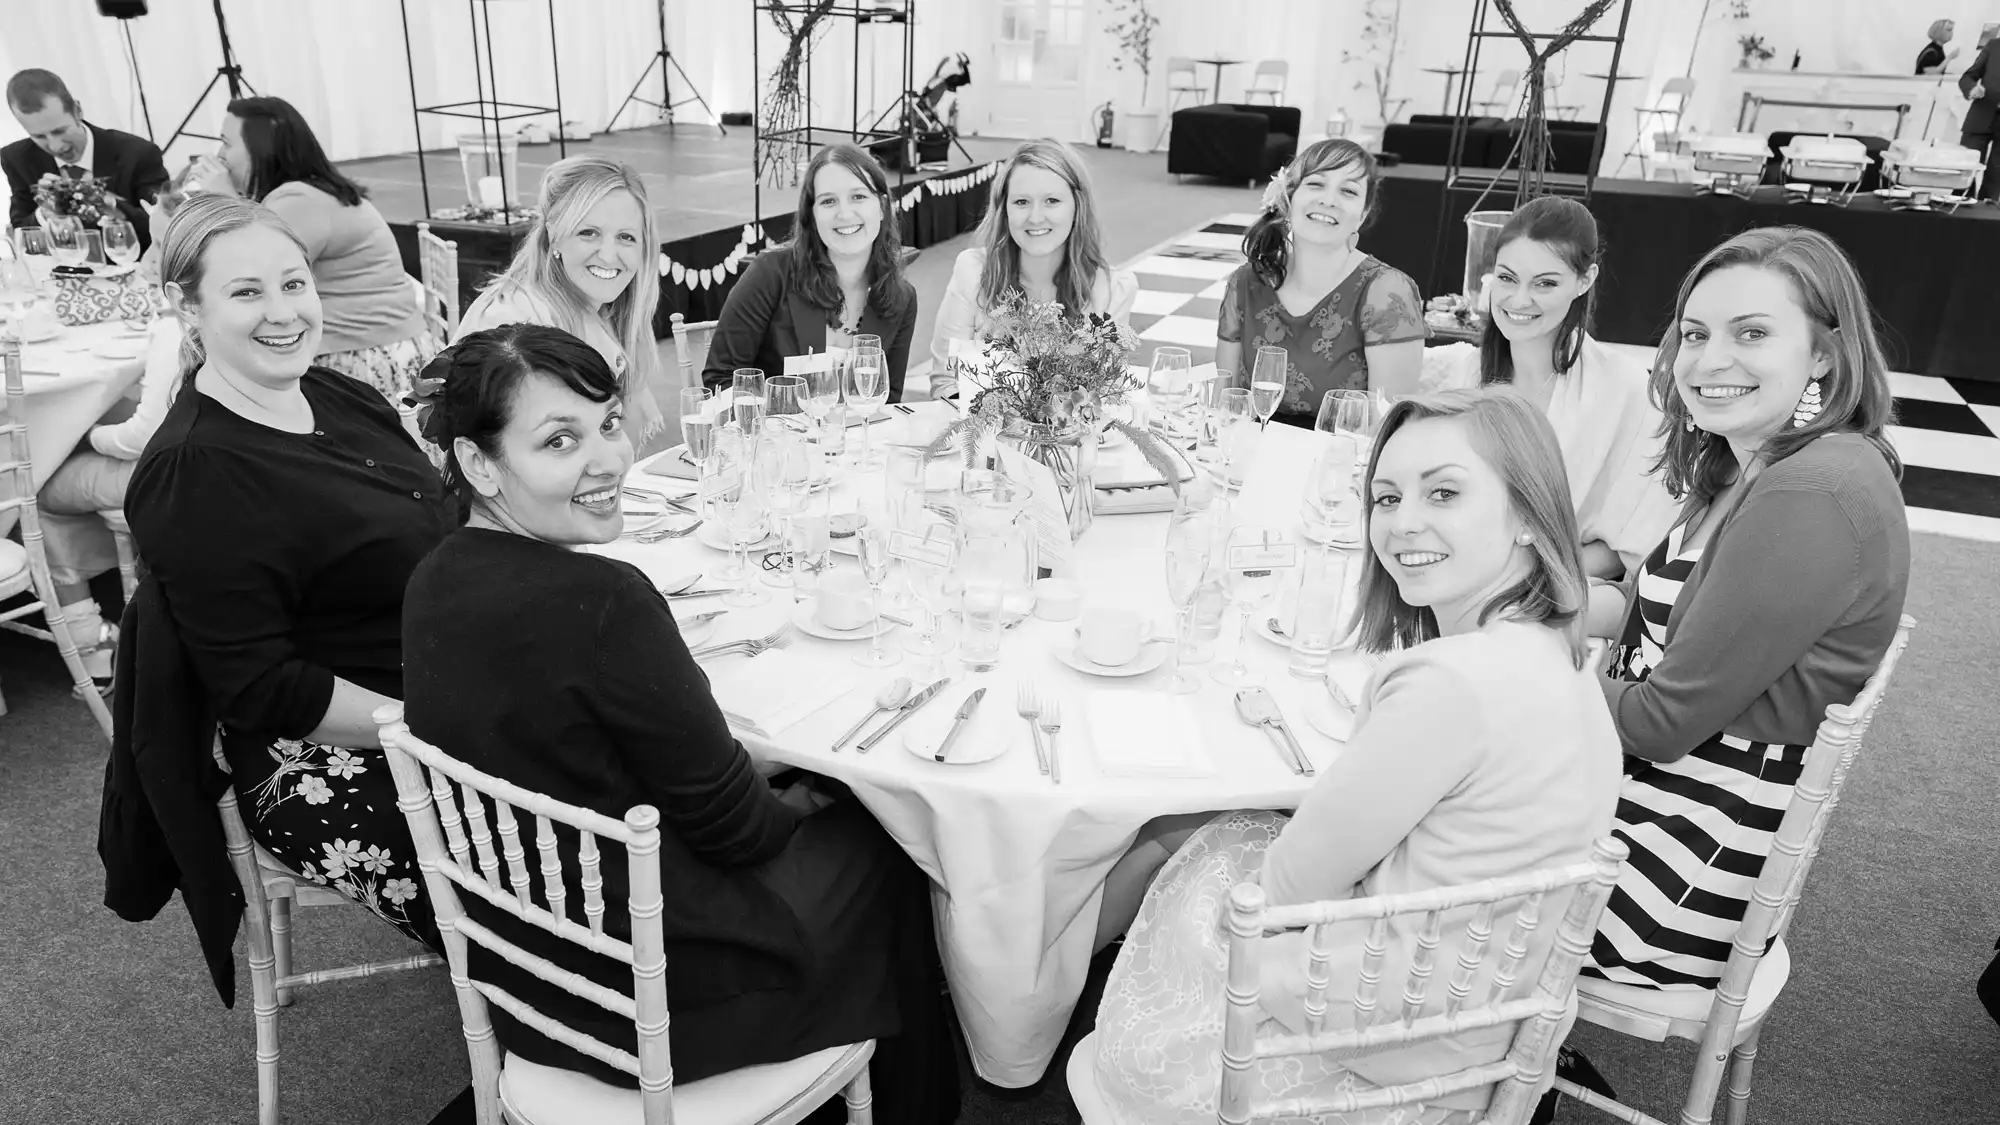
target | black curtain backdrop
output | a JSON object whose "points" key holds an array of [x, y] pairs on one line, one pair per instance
{"points": [[1931, 276]]}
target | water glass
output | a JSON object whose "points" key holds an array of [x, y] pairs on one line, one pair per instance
{"points": [[1247, 581], [822, 391], [1189, 553], [784, 472], [746, 400], [808, 543], [1235, 435], [121, 241], [66, 240], [983, 610], [1267, 382], [1208, 417], [1333, 492], [1349, 412], [1169, 390], [1316, 621], [785, 397], [871, 543]]}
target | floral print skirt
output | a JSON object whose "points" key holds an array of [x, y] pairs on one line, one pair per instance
{"points": [[390, 368], [329, 813]]}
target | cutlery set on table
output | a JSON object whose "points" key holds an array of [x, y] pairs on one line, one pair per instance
{"points": [[948, 744]]}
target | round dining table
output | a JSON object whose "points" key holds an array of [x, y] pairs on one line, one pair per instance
{"points": [[71, 379], [1018, 860]]}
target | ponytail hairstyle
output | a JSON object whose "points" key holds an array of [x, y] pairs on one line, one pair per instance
{"points": [[1267, 242], [1568, 229], [196, 223]]}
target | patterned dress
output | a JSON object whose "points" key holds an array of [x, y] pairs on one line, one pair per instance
{"points": [[1699, 828], [1376, 304]]}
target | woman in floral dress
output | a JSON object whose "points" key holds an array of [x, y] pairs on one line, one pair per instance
{"points": [[281, 508]]}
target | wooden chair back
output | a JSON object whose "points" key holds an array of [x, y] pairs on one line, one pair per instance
{"points": [[437, 261], [445, 802], [690, 350], [1536, 1012]]}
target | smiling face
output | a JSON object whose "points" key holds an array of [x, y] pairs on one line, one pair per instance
{"points": [[846, 212], [605, 249], [55, 130], [256, 310], [1746, 353], [1442, 524], [1533, 289], [1041, 210], [1329, 205], [557, 465]]}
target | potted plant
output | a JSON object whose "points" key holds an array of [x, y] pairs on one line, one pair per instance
{"points": [[1132, 25], [1756, 52], [1381, 29]]}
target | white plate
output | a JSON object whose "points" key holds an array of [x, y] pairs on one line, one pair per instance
{"points": [[698, 635], [1150, 656], [115, 350], [990, 733], [803, 618], [709, 534], [1328, 718]]}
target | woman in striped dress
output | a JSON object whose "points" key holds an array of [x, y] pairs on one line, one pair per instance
{"points": [[1776, 594]]}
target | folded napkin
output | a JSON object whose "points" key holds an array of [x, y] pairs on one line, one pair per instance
{"points": [[1140, 734], [772, 692], [672, 464]]}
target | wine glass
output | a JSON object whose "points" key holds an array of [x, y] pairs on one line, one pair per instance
{"points": [[746, 401], [1190, 547], [1267, 383], [867, 387], [66, 240], [865, 340], [1348, 412], [784, 397], [32, 242], [785, 470], [932, 578], [1235, 435], [1247, 580], [871, 542], [1333, 502], [1169, 388], [121, 241], [17, 292]]}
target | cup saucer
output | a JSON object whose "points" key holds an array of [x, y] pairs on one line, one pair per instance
{"points": [[811, 627], [1150, 656]]}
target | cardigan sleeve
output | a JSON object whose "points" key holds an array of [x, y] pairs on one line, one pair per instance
{"points": [[126, 440], [899, 343], [203, 524], [1784, 570], [957, 319], [1124, 294], [655, 704], [1420, 737], [746, 317]]}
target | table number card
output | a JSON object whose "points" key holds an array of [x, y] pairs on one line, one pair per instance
{"points": [[911, 547], [1255, 557], [809, 363], [1045, 508]]}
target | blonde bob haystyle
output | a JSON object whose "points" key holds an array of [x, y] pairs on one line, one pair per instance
{"points": [[1516, 439]]}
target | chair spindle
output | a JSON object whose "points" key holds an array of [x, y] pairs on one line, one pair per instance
{"points": [[511, 850], [482, 838], [552, 880], [593, 883], [1319, 974], [1373, 949], [1417, 986], [1478, 932]]}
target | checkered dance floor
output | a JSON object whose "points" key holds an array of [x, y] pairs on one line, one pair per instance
{"points": [[1949, 431]]}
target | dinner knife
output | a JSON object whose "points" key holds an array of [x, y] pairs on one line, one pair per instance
{"points": [[958, 722], [903, 712]]}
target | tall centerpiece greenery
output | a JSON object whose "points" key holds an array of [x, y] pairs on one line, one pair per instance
{"points": [[1132, 26]]}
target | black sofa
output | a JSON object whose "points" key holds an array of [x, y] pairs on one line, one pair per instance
{"points": [[1234, 142]]}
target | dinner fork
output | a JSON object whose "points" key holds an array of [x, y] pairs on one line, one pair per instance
{"points": [[753, 646], [1051, 726], [679, 503], [1026, 707], [656, 534]]}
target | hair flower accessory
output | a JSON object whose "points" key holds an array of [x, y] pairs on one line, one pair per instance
{"points": [[1274, 192], [427, 394]]}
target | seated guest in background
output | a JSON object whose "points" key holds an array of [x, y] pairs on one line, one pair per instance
{"points": [[1776, 596], [1346, 320], [281, 508], [840, 276], [564, 672], [1538, 342], [1040, 237], [1481, 751], [1981, 85], [1932, 59], [586, 267], [59, 140], [373, 326]]}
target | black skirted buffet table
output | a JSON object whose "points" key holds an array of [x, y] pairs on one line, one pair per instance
{"points": [[1934, 277]]}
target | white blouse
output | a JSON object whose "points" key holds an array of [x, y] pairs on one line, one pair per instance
{"points": [[960, 316], [1609, 432]]}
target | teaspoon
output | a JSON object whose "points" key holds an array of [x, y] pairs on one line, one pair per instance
{"points": [[891, 698]]}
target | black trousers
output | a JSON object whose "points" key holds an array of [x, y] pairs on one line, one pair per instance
{"points": [[1989, 184]]}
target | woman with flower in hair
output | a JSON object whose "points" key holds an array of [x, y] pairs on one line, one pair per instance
{"points": [[1346, 320], [1040, 238]]}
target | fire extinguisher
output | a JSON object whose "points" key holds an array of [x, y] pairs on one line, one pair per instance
{"points": [[1104, 124]]}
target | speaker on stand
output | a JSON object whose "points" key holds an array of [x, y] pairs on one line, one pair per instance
{"points": [[125, 11]]}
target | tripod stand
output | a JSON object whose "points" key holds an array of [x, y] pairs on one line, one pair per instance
{"points": [[664, 58], [230, 71]]}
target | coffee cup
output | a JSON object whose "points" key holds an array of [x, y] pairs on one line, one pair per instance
{"points": [[1111, 637], [843, 602]]}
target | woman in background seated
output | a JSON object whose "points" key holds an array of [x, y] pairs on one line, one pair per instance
{"points": [[373, 326], [586, 267], [1776, 596], [1040, 237], [564, 672], [1345, 319], [840, 276], [1538, 342], [1481, 751], [281, 508]]}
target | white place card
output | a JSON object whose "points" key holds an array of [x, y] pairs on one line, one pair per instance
{"points": [[1044, 508], [1266, 556], [808, 363], [915, 548]]}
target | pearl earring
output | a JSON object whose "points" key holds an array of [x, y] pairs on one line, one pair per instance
{"points": [[1687, 425], [1809, 406], [1524, 539]]}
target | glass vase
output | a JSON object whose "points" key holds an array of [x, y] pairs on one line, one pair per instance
{"points": [[1070, 451]]}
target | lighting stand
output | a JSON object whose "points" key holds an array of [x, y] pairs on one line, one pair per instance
{"points": [[230, 71], [664, 58]]}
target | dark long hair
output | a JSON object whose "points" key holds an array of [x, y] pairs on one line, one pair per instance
{"points": [[812, 267], [283, 149], [1265, 243], [1566, 228], [1854, 393]]}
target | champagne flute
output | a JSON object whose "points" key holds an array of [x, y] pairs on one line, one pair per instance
{"points": [[786, 476], [1247, 580], [1348, 412], [746, 401], [865, 340], [1190, 545], [697, 424], [867, 389], [1267, 383], [66, 241], [1169, 388], [871, 542], [1234, 434], [121, 241]]}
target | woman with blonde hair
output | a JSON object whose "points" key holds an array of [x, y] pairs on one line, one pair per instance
{"points": [[586, 267], [1481, 750], [1040, 238]]}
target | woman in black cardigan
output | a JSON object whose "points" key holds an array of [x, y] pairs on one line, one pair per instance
{"points": [[788, 930], [840, 276]]}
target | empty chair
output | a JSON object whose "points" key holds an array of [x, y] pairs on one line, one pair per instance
{"points": [[437, 259], [1268, 81], [1503, 98], [691, 347], [1182, 79], [1663, 115]]}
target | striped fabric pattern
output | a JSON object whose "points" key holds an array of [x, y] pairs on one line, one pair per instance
{"points": [[1699, 828]]}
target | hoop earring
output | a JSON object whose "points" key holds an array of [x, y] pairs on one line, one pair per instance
{"points": [[1809, 406]]}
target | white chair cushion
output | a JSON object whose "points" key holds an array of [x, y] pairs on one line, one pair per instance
{"points": [[13, 558], [1656, 1013], [534, 1094]]}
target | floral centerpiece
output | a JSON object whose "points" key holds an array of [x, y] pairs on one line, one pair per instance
{"points": [[1754, 49], [1047, 379], [86, 198]]}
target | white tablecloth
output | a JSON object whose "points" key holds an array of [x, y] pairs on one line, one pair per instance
{"points": [[1019, 863], [71, 380]]}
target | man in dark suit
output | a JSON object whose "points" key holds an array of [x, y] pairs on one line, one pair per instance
{"points": [[1981, 83], [59, 140]]}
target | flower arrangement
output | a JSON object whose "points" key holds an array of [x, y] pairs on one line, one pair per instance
{"points": [[1754, 47], [85, 198]]}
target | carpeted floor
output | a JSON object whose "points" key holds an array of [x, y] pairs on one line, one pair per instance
{"points": [[107, 1021]]}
